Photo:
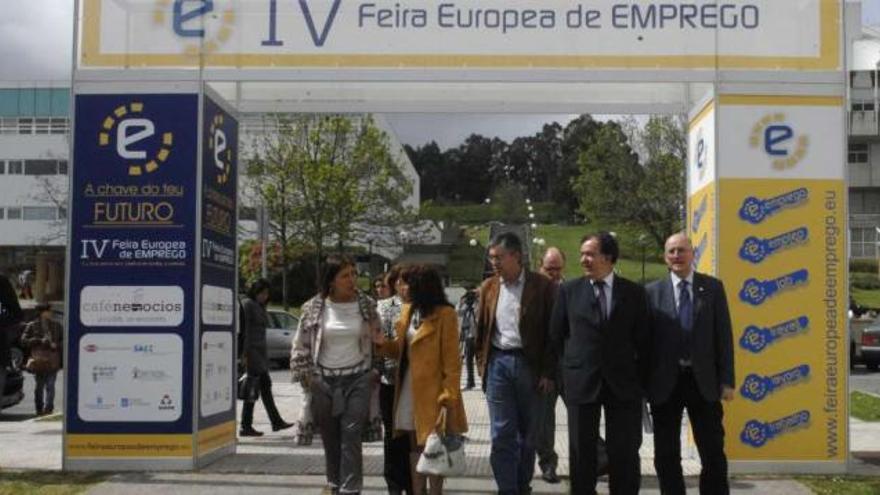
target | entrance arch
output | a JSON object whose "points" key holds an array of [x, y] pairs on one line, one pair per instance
{"points": [[764, 89]]}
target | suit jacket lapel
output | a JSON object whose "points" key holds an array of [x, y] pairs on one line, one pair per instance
{"points": [[494, 292], [668, 297], [699, 295], [528, 294]]}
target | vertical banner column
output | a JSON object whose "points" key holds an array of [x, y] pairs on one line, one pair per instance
{"points": [[151, 308], [216, 421], [782, 257], [701, 186]]}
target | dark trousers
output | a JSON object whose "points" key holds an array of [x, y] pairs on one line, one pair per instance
{"points": [[397, 469], [247, 410], [469, 351], [623, 436], [706, 421], [545, 443]]}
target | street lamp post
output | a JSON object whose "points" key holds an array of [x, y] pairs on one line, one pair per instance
{"points": [[642, 240]]}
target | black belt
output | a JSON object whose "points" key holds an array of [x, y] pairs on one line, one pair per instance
{"points": [[516, 351]]}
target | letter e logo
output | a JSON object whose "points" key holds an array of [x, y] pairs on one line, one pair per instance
{"points": [[124, 139]]}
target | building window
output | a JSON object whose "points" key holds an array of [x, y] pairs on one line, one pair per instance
{"points": [[62, 213], [13, 213], [2, 167], [2, 213], [864, 243], [39, 213], [59, 126], [41, 167], [862, 106], [8, 125], [62, 167], [16, 167], [25, 126], [858, 153]]}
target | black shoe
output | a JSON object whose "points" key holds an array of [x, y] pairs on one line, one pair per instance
{"points": [[549, 475], [249, 432], [282, 426]]}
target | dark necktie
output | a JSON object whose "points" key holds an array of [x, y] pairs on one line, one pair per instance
{"points": [[603, 301], [685, 308]]}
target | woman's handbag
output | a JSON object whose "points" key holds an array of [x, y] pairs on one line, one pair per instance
{"points": [[444, 453], [248, 388], [43, 360]]}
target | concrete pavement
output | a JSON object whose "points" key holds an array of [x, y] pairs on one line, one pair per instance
{"points": [[273, 464]]}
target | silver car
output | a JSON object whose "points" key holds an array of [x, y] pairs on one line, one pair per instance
{"points": [[279, 336]]}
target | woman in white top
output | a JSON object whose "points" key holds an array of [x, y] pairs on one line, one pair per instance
{"points": [[332, 357]]}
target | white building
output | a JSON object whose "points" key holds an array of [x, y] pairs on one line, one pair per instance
{"points": [[863, 157], [33, 183]]}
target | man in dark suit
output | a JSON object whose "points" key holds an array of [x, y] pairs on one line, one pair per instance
{"points": [[600, 327], [692, 368], [514, 361]]}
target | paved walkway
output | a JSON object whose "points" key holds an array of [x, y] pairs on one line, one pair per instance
{"points": [[273, 464]]}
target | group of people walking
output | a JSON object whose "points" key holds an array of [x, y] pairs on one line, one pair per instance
{"points": [[600, 342]]}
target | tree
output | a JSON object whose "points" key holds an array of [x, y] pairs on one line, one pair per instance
{"points": [[328, 179], [616, 186]]}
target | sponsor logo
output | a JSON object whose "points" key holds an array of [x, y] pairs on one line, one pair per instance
{"points": [[755, 250], [217, 305], [103, 373], [136, 139], [221, 150], [166, 403], [148, 375], [202, 24], [755, 210], [145, 306], [701, 154], [755, 339], [779, 141], [699, 213], [755, 291], [756, 387], [757, 433]]}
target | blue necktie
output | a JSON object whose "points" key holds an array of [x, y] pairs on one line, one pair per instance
{"points": [[685, 308]]}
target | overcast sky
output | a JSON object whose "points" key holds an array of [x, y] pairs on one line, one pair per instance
{"points": [[35, 40]]}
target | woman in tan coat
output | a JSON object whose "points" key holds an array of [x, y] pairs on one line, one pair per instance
{"points": [[429, 373]]}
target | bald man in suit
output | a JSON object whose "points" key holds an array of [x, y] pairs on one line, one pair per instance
{"points": [[692, 368]]}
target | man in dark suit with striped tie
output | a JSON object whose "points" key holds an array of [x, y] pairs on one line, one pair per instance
{"points": [[601, 329], [692, 368]]}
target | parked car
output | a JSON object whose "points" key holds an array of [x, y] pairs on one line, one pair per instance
{"points": [[865, 342], [279, 336], [13, 389]]}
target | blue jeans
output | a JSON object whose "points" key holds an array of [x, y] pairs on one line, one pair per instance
{"points": [[513, 412], [44, 392]]}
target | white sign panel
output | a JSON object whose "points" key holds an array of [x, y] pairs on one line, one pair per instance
{"points": [[781, 137], [130, 377], [217, 305], [216, 389], [701, 148], [131, 305], [767, 34]]}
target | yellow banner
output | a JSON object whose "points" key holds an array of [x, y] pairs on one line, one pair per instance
{"points": [[782, 256], [701, 228], [216, 437], [105, 445]]}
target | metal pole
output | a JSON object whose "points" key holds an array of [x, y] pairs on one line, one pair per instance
{"points": [[264, 239]]}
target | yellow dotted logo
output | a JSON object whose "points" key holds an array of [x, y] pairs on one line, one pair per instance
{"points": [[220, 149], [128, 128], [778, 140], [203, 25]]}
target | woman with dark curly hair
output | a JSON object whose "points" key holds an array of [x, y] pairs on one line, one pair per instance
{"points": [[426, 334], [332, 358]]}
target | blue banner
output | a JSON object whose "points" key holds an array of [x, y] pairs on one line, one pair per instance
{"points": [[132, 265]]}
